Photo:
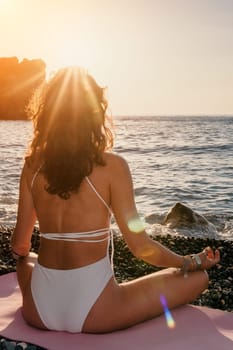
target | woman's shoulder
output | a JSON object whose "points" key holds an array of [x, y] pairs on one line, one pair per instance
{"points": [[29, 170], [114, 160], [116, 165]]}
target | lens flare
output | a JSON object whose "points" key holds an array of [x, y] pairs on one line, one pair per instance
{"points": [[136, 225], [169, 319]]}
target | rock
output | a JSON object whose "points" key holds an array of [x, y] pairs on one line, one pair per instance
{"points": [[18, 81], [182, 217]]}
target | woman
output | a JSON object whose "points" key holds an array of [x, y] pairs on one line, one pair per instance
{"points": [[71, 184]]}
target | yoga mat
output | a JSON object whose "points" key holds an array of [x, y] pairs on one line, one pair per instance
{"points": [[196, 328]]}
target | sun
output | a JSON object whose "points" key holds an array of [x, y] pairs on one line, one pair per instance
{"points": [[73, 52], [75, 56]]}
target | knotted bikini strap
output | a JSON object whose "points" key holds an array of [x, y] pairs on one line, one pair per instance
{"points": [[111, 241]]}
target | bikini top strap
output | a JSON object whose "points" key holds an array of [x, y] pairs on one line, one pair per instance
{"points": [[98, 195], [88, 181], [35, 175]]}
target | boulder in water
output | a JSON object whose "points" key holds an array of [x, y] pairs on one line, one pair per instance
{"points": [[182, 217]]}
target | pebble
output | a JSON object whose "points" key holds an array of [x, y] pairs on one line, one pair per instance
{"points": [[6, 344], [219, 294]]}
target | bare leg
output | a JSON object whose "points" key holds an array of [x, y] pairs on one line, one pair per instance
{"points": [[24, 272], [139, 300]]}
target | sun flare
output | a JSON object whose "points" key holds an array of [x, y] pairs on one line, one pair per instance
{"points": [[75, 52], [73, 57]]}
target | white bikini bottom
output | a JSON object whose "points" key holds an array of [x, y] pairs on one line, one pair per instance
{"points": [[63, 298]]}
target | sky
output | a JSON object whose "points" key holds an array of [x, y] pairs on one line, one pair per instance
{"points": [[156, 57]]}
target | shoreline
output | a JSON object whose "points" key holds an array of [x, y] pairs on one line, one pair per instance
{"points": [[219, 295]]}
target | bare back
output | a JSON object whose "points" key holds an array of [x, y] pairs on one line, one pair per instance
{"points": [[82, 212]]}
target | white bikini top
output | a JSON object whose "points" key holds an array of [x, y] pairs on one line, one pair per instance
{"points": [[86, 236]]}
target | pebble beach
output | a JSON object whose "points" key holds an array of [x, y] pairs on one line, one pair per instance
{"points": [[219, 294]]}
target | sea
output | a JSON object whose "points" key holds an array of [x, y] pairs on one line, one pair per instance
{"points": [[172, 159]]}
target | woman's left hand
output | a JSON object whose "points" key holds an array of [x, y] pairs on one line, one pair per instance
{"points": [[209, 258]]}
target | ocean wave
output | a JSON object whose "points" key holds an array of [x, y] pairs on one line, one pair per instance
{"points": [[221, 226]]}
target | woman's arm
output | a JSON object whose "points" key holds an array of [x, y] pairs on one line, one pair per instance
{"points": [[26, 218], [131, 227]]}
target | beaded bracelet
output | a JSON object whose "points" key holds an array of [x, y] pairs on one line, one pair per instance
{"points": [[196, 258], [187, 260]]}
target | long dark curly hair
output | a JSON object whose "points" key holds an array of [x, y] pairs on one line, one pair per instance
{"points": [[71, 130]]}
